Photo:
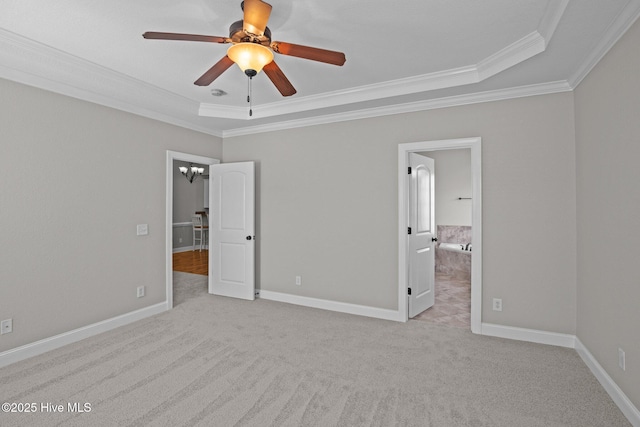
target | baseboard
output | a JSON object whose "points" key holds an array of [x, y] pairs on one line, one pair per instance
{"points": [[530, 335], [617, 395], [36, 348], [341, 307], [188, 249]]}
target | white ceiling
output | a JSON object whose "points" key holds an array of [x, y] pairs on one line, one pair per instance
{"points": [[401, 56]]}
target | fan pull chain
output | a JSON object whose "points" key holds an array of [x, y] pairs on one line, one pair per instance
{"points": [[249, 97]]}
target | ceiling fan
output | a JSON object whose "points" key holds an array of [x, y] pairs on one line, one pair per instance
{"points": [[252, 48]]}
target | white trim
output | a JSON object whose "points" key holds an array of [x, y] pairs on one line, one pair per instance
{"points": [[617, 395], [511, 55], [225, 111], [182, 249], [36, 64], [549, 22], [36, 348], [616, 30], [182, 224], [185, 157], [475, 144], [523, 49], [410, 107], [519, 51], [405, 86], [341, 307], [529, 335]]}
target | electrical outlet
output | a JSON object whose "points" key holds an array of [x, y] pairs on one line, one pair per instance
{"points": [[6, 326], [621, 361], [497, 304], [298, 280], [179, 239], [142, 229], [140, 291]]}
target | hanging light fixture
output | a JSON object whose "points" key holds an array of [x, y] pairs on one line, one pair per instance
{"points": [[250, 57], [191, 172]]}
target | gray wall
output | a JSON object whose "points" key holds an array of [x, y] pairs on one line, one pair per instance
{"points": [[328, 206], [608, 149], [75, 179]]}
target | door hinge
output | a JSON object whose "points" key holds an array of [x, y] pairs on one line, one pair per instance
{"points": [[409, 289], [409, 170], [409, 230]]}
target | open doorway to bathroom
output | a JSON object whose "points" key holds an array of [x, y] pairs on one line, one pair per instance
{"points": [[453, 218], [473, 147]]}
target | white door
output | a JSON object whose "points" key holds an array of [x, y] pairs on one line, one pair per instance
{"points": [[421, 234], [231, 228]]}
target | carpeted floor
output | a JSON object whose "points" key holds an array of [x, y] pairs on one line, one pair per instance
{"points": [[187, 286], [214, 361]]}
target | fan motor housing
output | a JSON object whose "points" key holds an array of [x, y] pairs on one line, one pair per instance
{"points": [[237, 34]]}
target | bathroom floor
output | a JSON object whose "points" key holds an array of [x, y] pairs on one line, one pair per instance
{"points": [[453, 302]]}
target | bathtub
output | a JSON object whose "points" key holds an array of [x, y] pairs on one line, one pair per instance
{"points": [[453, 259], [456, 247]]}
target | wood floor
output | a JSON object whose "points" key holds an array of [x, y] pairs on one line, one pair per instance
{"points": [[194, 262]]}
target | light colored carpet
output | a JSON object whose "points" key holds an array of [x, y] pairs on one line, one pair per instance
{"points": [[187, 286], [214, 361]]}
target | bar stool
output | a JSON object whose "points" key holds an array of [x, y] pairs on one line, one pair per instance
{"points": [[200, 231]]}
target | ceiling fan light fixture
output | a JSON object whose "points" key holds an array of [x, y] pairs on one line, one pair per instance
{"points": [[250, 56]]}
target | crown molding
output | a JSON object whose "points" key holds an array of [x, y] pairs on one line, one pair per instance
{"points": [[523, 49], [551, 19], [225, 111], [527, 47], [432, 104], [625, 19], [44, 67], [36, 64], [405, 86]]}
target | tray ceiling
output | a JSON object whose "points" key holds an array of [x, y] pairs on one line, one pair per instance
{"points": [[401, 56]]}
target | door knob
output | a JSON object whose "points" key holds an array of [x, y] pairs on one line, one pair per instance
{"points": [[248, 237], [434, 239]]}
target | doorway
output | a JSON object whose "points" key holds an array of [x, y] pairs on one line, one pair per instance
{"points": [[453, 249], [474, 144], [170, 171]]}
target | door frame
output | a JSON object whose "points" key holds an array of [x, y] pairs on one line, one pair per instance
{"points": [[185, 157], [475, 145]]}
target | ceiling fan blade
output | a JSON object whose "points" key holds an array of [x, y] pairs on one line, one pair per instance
{"points": [[278, 78], [188, 37], [256, 16], [312, 53], [214, 72]]}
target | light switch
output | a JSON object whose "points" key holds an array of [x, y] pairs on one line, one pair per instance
{"points": [[143, 229]]}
